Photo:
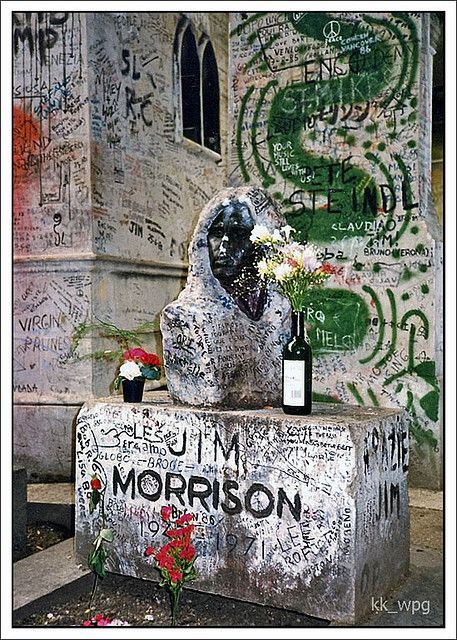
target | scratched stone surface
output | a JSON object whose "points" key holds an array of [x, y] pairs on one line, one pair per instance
{"points": [[214, 354], [309, 514], [332, 114], [105, 197]]}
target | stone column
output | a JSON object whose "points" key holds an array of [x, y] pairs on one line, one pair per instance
{"points": [[105, 198]]}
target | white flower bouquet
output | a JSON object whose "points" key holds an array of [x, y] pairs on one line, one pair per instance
{"points": [[138, 365], [293, 266]]}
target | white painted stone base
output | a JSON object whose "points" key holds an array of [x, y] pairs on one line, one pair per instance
{"points": [[304, 513]]}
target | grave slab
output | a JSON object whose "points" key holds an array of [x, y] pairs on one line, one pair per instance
{"points": [[306, 513]]}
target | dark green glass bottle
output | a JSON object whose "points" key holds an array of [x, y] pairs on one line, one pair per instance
{"points": [[297, 369]]}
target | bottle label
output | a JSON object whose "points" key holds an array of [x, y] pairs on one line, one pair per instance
{"points": [[294, 383]]}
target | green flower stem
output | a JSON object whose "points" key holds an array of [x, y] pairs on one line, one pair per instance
{"points": [[94, 588], [175, 593]]}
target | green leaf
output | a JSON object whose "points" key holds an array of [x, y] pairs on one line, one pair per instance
{"points": [[97, 560], [107, 534], [100, 568], [150, 372], [430, 404], [94, 500], [426, 370], [124, 337]]}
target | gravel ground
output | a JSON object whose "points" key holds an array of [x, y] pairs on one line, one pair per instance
{"points": [[43, 535], [145, 604]]}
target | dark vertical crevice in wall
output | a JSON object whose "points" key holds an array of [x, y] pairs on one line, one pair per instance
{"points": [[210, 99], [438, 115], [190, 87]]}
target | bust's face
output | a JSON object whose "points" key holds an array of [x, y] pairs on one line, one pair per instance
{"points": [[228, 240]]}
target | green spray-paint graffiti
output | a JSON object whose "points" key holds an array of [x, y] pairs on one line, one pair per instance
{"points": [[411, 371], [334, 198], [337, 320], [327, 122]]}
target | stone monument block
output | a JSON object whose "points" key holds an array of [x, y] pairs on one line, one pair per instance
{"points": [[223, 336], [304, 513]]}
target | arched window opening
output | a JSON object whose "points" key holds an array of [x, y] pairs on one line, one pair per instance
{"points": [[196, 85], [210, 100], [190, 87]]}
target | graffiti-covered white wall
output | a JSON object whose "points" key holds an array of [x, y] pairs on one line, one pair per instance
{"points": [[106, 193], [332, 113]]}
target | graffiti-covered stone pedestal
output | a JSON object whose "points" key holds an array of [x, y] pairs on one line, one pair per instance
{"points": [[305, 513]]}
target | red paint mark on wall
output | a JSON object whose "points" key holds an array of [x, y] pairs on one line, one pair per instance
{"points": [[26, 155]]}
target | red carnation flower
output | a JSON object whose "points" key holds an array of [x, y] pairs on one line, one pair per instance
{"points": [[176, 544], [165, 512], [149, 551], [175, 575], [131, 354], [150, 359], [163, 552], [95, 484], [188, 553], [166, 562], [187, 517]]}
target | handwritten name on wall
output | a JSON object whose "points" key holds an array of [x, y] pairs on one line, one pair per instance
{"points": [[148, 186], [328, 116], [46, 309], [50, 146]]}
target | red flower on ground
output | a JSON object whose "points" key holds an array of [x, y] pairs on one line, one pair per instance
{"points": [[165, 512], [104, 622], [149, 551], [175, 575], [95, 484], [98, 620], [187, 517]]}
